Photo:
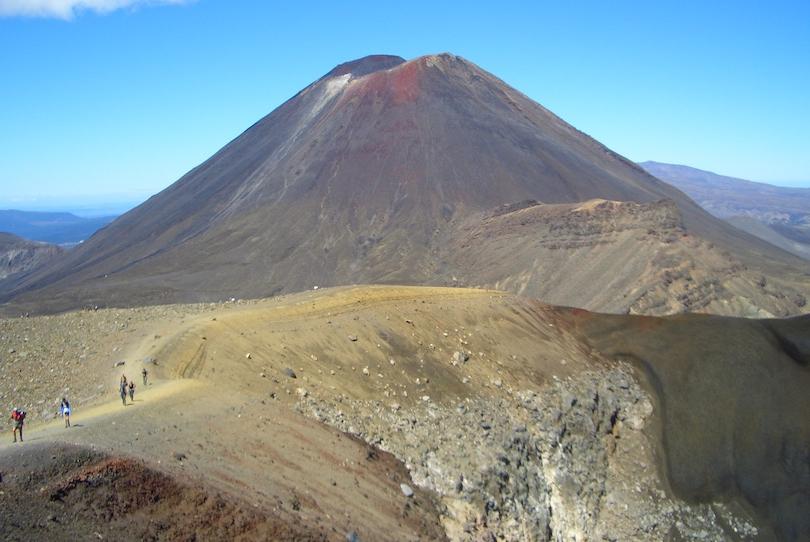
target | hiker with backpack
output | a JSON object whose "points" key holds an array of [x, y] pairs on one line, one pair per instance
{"points": [[144, 372], [132, 391], [18, 418], [65, 409], [123, 390]]}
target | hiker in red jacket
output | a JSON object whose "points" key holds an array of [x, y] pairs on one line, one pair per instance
{"points": [[18, 418]]}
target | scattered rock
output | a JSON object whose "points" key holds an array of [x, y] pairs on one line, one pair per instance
{"points": [[119, 363], [179, 456], [460, 357], [290, 373], [353, 338], [365, 370], [406, 490], [302, 392], [248, 355]]}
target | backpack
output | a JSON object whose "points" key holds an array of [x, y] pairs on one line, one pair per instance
{"points": [[18, 415]]}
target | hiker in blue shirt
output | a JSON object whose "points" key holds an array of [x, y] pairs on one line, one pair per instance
{"points": [[65, 409]]}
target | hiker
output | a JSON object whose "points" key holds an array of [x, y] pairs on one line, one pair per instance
{"points": [[123, 390], [18, 417], [132, 391], [144, 373], [65, 408]]}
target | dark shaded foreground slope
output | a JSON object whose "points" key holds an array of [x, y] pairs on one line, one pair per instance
{"points": [[64, 493], [734, 399], [364, 177]]}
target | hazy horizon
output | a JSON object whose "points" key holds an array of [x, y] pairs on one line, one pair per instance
{"points": [[91, 206], [101, 204]]}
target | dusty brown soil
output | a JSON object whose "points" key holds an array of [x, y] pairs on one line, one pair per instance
{"points": [[223, 416], [63, 492], [270, 459]]}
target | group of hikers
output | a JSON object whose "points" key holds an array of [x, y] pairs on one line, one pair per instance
{"points": [[126, 388]]}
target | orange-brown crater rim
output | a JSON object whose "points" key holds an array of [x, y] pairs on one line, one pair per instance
{"points": [[378, 63]]}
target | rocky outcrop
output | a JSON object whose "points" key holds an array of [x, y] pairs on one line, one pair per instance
{"points": [[569, 462], [567, 253], [18, 255]]}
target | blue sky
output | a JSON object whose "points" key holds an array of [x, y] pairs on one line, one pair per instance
{"points": [[119, 103]]}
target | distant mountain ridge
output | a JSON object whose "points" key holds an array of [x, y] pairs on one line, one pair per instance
{"points": [[51, 227], [779, 215]]}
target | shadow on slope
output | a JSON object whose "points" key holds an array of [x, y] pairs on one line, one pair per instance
{"points": [[733, 398]]}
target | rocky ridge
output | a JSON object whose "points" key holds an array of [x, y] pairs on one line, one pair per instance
{"points": [[565, 253], [18, 255]]}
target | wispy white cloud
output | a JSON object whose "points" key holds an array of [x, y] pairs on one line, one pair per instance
{"points": [[67, 9]]}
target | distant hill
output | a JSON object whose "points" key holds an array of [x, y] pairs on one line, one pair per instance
{"points": [[56, 228], [18, 255], [793, 238], [776, 214]]}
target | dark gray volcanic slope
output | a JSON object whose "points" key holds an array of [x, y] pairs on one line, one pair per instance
{"points": [[358, 179]]}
